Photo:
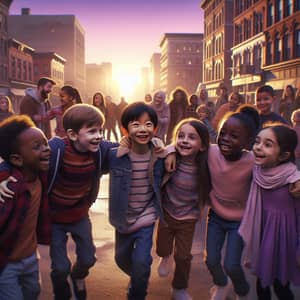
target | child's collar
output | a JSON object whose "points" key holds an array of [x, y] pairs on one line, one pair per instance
{"points": [[123, 150]]}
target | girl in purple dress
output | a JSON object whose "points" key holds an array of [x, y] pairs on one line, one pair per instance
{"points": [[271, 224]]}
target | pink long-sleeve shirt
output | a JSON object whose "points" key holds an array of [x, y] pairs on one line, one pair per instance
{"points": [[230, 183]]}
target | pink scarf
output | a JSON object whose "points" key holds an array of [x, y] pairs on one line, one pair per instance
{"points": [[250, 228]]}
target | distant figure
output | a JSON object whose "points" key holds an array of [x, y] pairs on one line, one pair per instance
{"points": [[36, 104], [203, 96], [120, 108], [67, 99], [287, 103], [6, 109], [264, 99], [163, 114], [111, 120], [99, 102], [177, 105], [235, 100], [203, 115], [191, 110], [148, 99], [77, 97], [223, 97]]}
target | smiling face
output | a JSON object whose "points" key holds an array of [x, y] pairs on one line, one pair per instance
{"points": [[232, 139], [33, 153], [65, 99], [266, 149], [188, 142], [87, 138], [140, 132], [264, 101]]}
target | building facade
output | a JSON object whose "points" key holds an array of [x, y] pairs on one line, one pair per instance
{"points": [[248, 54], [181, 61], [155, 72], [281, 65], [4, 81], [60, 34], [98, 79], [50, 64], [266, 46], [217, 44], [20, 70]]}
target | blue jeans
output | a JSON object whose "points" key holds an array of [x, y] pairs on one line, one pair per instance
{"points": [[20, 280], [217, 230], [133, 256], [81, 233]]}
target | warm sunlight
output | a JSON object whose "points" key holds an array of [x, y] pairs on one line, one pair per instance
{"points": [[127, 83]]}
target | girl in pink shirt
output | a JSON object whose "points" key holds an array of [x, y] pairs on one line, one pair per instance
{"points": [[230, 166]]}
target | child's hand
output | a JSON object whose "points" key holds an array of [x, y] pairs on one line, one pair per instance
{"points": [[125, 142], [159, 146], [170, 162], [294, 189], [4, 190]]}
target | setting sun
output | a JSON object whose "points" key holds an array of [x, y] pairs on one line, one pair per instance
{"points": [[127, 83]]}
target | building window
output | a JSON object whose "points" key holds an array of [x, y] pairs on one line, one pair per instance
{"points": [[297, 42], [286, 46], [19, 69], [279, 15], [288, 9], [30, 71], [258, 23], [269, 53], [24, 70], [297, 5], [278, 48], [270, 17]]}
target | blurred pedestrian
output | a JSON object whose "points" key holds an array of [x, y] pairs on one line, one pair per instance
{"points": [[6, 109], [177, 105], [35, 104], [111, 120], [163, 114]]}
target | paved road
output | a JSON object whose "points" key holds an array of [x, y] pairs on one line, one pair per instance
{"points": [[106, 281]]}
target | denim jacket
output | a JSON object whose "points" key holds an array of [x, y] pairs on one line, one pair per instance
{"points": [[119, 185]]}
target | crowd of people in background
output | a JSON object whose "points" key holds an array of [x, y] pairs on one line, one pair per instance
{"points": [[239, 159]]}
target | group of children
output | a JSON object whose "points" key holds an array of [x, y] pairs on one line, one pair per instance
{"points": [[55, 183]]}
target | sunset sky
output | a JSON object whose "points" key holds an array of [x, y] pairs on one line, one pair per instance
{"points": [[123, 32]]}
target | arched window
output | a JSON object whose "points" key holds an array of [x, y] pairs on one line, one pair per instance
{"points": [[269, 52], [277, 48], [286, 46], [297, 41], [270, 16]]}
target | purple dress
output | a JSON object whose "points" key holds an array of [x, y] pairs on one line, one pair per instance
{"points": [[277, 253]]}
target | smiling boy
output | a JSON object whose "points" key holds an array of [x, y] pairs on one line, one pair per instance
{"points": [[24, 221], [134, 194]]}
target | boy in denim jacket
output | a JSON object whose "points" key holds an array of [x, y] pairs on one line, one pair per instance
{"points": [[134, 194]]}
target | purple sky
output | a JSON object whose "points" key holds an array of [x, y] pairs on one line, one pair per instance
{"points": [[124, 32]]}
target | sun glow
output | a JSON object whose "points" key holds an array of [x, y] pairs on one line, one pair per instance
{"points": [[127, 83]]}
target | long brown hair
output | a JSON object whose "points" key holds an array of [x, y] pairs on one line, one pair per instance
{"points": [[203, 176]]}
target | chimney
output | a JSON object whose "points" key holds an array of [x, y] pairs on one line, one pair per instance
{"points": [[25, 11]]}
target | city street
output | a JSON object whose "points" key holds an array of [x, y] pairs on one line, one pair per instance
{"points": [[106, 281]]}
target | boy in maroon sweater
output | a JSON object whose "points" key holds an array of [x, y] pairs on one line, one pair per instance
{"points": [[24, 222]]}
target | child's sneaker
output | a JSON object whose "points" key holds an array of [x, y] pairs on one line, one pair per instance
{"points": [[79, 288], [221, 292], [180, 294], [164, 266]]}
